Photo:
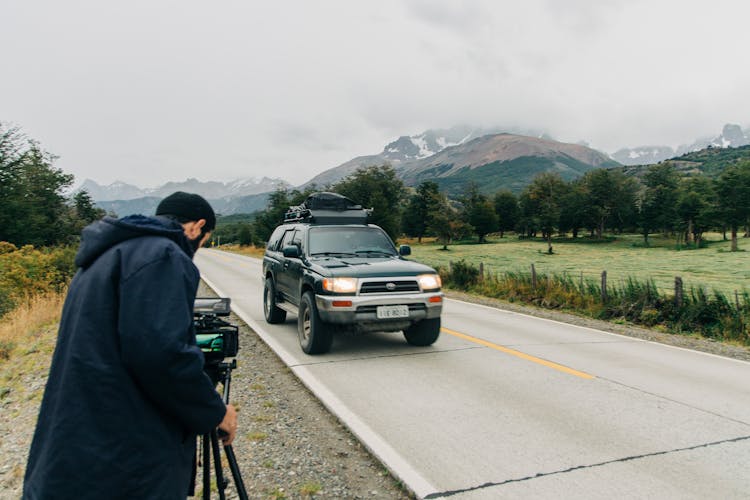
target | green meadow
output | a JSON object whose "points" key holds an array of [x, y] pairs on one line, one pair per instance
{"points": [[712, 267]]}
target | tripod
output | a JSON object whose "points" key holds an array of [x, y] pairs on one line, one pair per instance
{"points": [[220, 372]]}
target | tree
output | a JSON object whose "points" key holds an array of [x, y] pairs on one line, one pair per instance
{"points": [[659, 199], [696, 208], [377, 188], [479, 212], [546, 192], [733, 190], [506, 208], [528, 223], [31, 193], [245, 235], [574, 213], [447, 223], [609, 198], [84, 210], [278, 203], [422, 207]]}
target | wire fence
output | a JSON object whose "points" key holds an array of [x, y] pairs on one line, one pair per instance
{"points": [[681, 310]]}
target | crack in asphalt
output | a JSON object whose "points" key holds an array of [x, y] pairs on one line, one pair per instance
{"points": [[450, 493]]}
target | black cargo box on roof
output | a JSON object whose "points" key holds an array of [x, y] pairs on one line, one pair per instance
{"points": [[327, 208]]}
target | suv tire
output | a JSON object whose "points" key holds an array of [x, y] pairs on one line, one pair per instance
{"points": [[423, 333], [272, 312], [315, 336]]}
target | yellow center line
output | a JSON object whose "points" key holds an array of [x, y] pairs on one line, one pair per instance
{"points": [[519, 354]]}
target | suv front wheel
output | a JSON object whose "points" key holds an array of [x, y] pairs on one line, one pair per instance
{"points": [[273, 313], [423, 333], [315, 336]]}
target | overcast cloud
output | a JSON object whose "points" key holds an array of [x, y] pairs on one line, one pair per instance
{"points": [[151, 91]]}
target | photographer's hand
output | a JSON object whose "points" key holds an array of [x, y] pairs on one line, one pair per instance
{"points": [[229, 425]]}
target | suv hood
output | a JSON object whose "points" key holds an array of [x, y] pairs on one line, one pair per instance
{"points": [[364, 267]]}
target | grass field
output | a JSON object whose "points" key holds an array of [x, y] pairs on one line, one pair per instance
{"points": [[713, 267]]}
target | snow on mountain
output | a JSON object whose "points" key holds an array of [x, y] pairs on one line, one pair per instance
{"points": [[643, 155], [114, 191], [211, 190], [430, 142], [731, 136], [415, 147]]}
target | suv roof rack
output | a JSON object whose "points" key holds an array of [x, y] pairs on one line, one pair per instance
{"points": [[327, 208]]}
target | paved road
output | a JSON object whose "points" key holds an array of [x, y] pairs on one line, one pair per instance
{"points": [[506, 405]]}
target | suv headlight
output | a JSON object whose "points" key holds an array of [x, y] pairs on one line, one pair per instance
{"points": [[429, 281], [340, 285]]}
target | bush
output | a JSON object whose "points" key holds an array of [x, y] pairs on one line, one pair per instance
{"points": [[28, 272], [462, 275]]}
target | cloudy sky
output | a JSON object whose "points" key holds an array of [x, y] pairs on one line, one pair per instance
{"points": [[147, 91]]}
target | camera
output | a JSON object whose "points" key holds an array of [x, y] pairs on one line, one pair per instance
{"points": [[217, 338]]}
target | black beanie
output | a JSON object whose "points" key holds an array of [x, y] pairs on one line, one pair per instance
{"points": [[187, 207]]}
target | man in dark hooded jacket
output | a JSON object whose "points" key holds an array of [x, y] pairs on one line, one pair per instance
{"points": [[127, 393]]}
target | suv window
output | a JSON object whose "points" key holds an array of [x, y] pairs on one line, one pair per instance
{"points": [[355, 240], [273, 241], [291, 237]]}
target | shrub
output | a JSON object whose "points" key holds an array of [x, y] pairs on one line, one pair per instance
{"points": [[462, 275], [27, 272]]}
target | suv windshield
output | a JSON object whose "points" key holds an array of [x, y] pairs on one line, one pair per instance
{"points": [[362, 241]]}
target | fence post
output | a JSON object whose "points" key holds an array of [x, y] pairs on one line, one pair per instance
{"points": [[481, 272], [581, 285], [737, 300], [678, 291], [533, 276], [604, 286]]}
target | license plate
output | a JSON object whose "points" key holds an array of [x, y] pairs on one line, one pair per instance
{"points": [[384, 312]]}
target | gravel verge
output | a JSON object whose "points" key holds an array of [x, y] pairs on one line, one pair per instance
{"points": [[289, 445]]}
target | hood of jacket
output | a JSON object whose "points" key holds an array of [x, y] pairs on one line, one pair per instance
{"points": [[103, 234]]}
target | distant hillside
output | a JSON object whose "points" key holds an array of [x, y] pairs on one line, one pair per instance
{"points": [[731, 136], [710, 162], [240, 196], [409, 148], [502, 161], [147, 205], [119, 191]]}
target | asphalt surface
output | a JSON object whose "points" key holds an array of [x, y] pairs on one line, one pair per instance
{"points": [[506, 405]]}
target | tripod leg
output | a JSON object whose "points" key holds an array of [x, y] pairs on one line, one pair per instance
{"points": [[221, 483], [226, 380], [205, 443], [238, 483]]}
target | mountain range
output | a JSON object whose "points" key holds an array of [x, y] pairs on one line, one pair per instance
{"points": [[492, 158], [732, 136], [211, 189], [239, 196]]}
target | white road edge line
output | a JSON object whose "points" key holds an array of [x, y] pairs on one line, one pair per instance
{"points": [[393, 461]]}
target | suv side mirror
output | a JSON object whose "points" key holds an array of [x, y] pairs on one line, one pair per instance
{"points": [[291, 251], [404, 250]]}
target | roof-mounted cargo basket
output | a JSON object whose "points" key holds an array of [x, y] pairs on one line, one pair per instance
{"points": [[327, 208]]}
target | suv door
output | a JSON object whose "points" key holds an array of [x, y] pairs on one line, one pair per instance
{"points": [[289, 276]]}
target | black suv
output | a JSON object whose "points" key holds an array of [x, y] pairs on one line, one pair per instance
{"points": [[336, 272]]}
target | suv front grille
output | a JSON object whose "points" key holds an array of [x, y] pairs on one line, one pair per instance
{"points": [[389, 287]]}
